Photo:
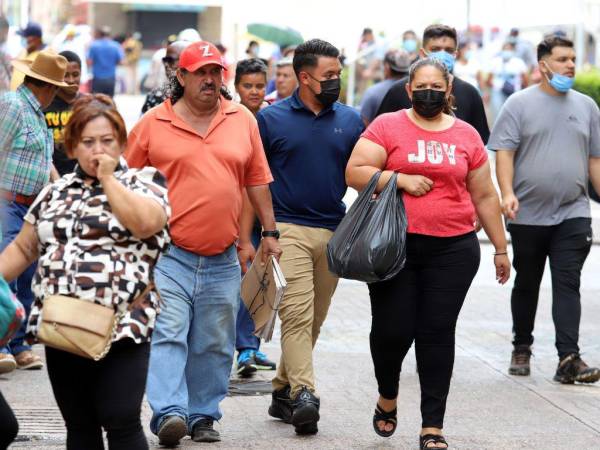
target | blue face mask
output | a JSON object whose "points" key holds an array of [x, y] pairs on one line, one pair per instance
{"points": [[507, 54], [410, 45], [445, 57], [560, 83]]}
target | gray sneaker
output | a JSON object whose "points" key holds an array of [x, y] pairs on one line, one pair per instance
{"points": [[171, 430], [519, 362]]}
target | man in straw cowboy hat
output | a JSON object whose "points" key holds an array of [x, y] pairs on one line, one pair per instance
{"points": [[26, 148]]}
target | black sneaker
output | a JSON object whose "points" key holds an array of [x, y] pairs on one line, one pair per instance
{"points": [[281, 405], [305, 412], [203, 431], [246, 365], [519, 362], [171, 430], [263, 363], [572, 368]]}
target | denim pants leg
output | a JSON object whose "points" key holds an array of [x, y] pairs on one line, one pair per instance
{"points": [[11, 221], [193, 343], [212, 336], [244, 327], [166, 390]]}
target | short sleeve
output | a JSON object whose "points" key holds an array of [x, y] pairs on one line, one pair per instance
{"points": [[594, 131], [506, 133], [149, 182], [376, 133], [38, 205], [257, 169], [479, 156]]}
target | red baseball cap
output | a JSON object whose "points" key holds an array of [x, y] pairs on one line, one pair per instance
{"points": [[200, 54]]}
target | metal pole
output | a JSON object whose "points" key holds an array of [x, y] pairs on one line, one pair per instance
{"points": [[351, 84]]}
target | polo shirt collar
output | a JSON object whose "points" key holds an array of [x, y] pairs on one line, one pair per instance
{"points": [[165, 112], [31, 99], [296, 103]]}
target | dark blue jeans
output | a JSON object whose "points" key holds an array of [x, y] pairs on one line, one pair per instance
{"points": [[244, 325], [11, 221], [103, 86]]}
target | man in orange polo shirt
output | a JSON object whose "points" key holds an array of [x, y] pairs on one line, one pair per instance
{"points": [[210, 149]]}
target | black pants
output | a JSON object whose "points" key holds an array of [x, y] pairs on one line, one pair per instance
{"points": [[567, 246], [9, 427], [421, 304], [103, 86], [106, 394]]}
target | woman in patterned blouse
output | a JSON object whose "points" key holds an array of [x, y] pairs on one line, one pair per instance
{"points": [[97, 234]]}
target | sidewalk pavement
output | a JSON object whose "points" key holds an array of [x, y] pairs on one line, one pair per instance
{"points": [[487, 409]]}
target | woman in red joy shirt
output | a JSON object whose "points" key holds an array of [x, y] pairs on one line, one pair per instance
{"points": [[443, 170]]}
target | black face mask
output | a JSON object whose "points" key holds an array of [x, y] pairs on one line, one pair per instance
{"points": [[428, 103], [330, 91]]}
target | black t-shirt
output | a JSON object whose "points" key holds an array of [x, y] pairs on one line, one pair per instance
{"points": [[469, 106], [57, 115]]}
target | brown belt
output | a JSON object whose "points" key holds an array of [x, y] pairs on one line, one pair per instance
{"points": [[26, 200]]}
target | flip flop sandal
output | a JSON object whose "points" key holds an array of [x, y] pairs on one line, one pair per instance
{"points": [[389, 417], [427, 439]]}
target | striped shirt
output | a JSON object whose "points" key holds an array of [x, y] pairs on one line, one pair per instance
{"points": [[26, 144]]}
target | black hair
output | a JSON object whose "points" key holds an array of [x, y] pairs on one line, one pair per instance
{"points": [[174, 90], [36, 82], [434, 62], [437, 31], [4, 23], [249, 66], [545, 47], [71, 57], [307, 54], [250, 44]]}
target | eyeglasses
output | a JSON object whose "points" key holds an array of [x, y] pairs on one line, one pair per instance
{"points": [[170, 61]]}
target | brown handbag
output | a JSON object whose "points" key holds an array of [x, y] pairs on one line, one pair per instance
{"points": [[79, 326]]}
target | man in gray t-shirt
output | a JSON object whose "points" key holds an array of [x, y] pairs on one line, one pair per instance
{"points": [[547, 139]]}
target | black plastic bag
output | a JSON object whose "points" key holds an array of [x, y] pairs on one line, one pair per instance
{"points": [[370, 243]]}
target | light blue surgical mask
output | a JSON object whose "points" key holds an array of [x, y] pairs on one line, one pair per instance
{"points": [[560, 83], [445, 57], [507, 54], [410, 45]]}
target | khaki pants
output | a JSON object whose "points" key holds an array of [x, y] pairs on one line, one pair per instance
{"points": [[304, 307]]}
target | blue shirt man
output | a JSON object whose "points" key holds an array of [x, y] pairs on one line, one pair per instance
{"points": [[104, 55], [308, 139]]}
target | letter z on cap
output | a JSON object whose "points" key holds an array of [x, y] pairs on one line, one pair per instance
{"points": [[200, 54]]}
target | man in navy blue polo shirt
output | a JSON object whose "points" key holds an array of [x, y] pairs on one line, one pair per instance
{"points": [[308, 139]]}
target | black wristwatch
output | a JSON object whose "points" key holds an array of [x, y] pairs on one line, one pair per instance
{"points": [[272, 233]]}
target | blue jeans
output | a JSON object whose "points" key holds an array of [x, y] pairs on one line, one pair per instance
{"points": [[11, 221], [193, 342], [244, 326]]}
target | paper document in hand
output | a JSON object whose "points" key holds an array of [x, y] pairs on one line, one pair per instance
{"points": [[262, 290]]}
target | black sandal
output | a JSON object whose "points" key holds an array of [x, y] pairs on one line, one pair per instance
{"points": [[427, 439], [387, 417]]}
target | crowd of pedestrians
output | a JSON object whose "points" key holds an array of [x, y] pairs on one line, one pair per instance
{"points": [[159, 225]]}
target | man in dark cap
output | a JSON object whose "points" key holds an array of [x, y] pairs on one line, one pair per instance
{"points": [[395, 67], [32, 34]]}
